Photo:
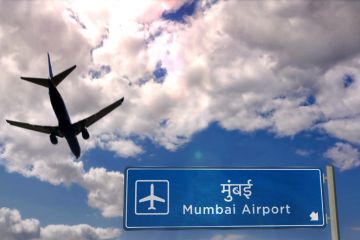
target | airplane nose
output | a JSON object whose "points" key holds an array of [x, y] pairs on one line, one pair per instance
{"points": [[77, 152], [74, 146]]}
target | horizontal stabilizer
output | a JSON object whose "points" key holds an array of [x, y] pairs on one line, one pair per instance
{"points": [[78, 126], [45, 81], [42, 129], [58, 78], [39, 81]]}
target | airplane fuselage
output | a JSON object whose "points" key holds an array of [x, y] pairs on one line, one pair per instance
{"points": [[152, 200], [151, 205], [63, 118]]}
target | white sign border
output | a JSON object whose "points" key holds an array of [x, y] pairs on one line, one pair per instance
{"points": [[222, 226]]}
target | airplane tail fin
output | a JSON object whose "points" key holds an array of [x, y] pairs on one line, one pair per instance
{"points": [[56, 80], [50, 68]]}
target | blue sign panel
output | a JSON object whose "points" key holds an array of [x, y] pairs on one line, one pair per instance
{"points": [[221, 198]]}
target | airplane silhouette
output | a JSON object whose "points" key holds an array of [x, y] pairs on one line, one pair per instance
{"points": [[65, 128], [151, 198]]}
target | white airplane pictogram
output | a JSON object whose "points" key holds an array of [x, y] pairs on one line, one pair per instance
{"points": [[151, 198]]}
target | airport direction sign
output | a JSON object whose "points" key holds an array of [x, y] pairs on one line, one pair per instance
{"points": [[173, 198]]}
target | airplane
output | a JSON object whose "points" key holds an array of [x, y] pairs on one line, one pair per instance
{"points": [[151, 198], [65, 128]]}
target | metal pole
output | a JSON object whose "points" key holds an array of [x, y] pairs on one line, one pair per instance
{"points": [[330, 176]]}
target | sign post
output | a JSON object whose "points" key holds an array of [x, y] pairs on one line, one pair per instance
{"points": [[330, 177], [176, 198]]}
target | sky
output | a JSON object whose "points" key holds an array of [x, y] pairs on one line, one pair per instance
{"points": [[206, 83]]}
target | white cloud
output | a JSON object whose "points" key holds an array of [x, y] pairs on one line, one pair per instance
{"points": [[105, 191], [13, 227], [77, 232], [344, 156], [104, 187], [346, 129], [122, 147], [244, 78], [255, 67]]}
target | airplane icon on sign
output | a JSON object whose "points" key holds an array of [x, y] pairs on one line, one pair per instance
{"points": [[152, 198]]}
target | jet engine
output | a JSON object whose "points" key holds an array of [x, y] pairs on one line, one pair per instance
{"points": [[85, 134], [53, 139]]}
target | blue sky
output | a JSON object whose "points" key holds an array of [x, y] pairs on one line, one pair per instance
{"points": [[211, 147], [206, 83]]}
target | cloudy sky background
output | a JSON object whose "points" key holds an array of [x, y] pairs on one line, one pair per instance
{"points": [[206, 83]]}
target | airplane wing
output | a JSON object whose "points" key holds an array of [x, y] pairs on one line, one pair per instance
{"points": [[45, 81], [78, 126], [158, 199], [145, 199], [37, 128]]}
